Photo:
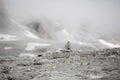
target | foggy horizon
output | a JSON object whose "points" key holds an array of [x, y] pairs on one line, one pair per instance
{"points": [[98, 18]]}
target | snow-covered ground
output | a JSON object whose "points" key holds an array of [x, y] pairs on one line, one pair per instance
{"points": [[32, 46]]}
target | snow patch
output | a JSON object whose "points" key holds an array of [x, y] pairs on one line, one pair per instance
{"points": [[96, 76], [25, 55], [111, 45], [4, 37], [32, 46], [7, 48]]}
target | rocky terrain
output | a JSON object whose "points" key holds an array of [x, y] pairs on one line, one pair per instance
{"points": [[101, 64]]}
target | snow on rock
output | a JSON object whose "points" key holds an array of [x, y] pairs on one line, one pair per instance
{"points": [[32, 46], [111, 45], [58, 50], [25, 29], [31, 35], [4, 37]]}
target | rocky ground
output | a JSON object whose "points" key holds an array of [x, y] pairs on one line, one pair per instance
{"points": [[101, 64]]}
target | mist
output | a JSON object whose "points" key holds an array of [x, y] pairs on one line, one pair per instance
{"points": [[84, 19], [3, 18], [59, 40]]}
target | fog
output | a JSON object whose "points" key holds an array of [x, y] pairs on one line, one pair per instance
{"points": [[82, 18], [3, 18]]}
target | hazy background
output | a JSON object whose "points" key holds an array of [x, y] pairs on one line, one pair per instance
{"points": [[82, 18], [3, 18]]}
